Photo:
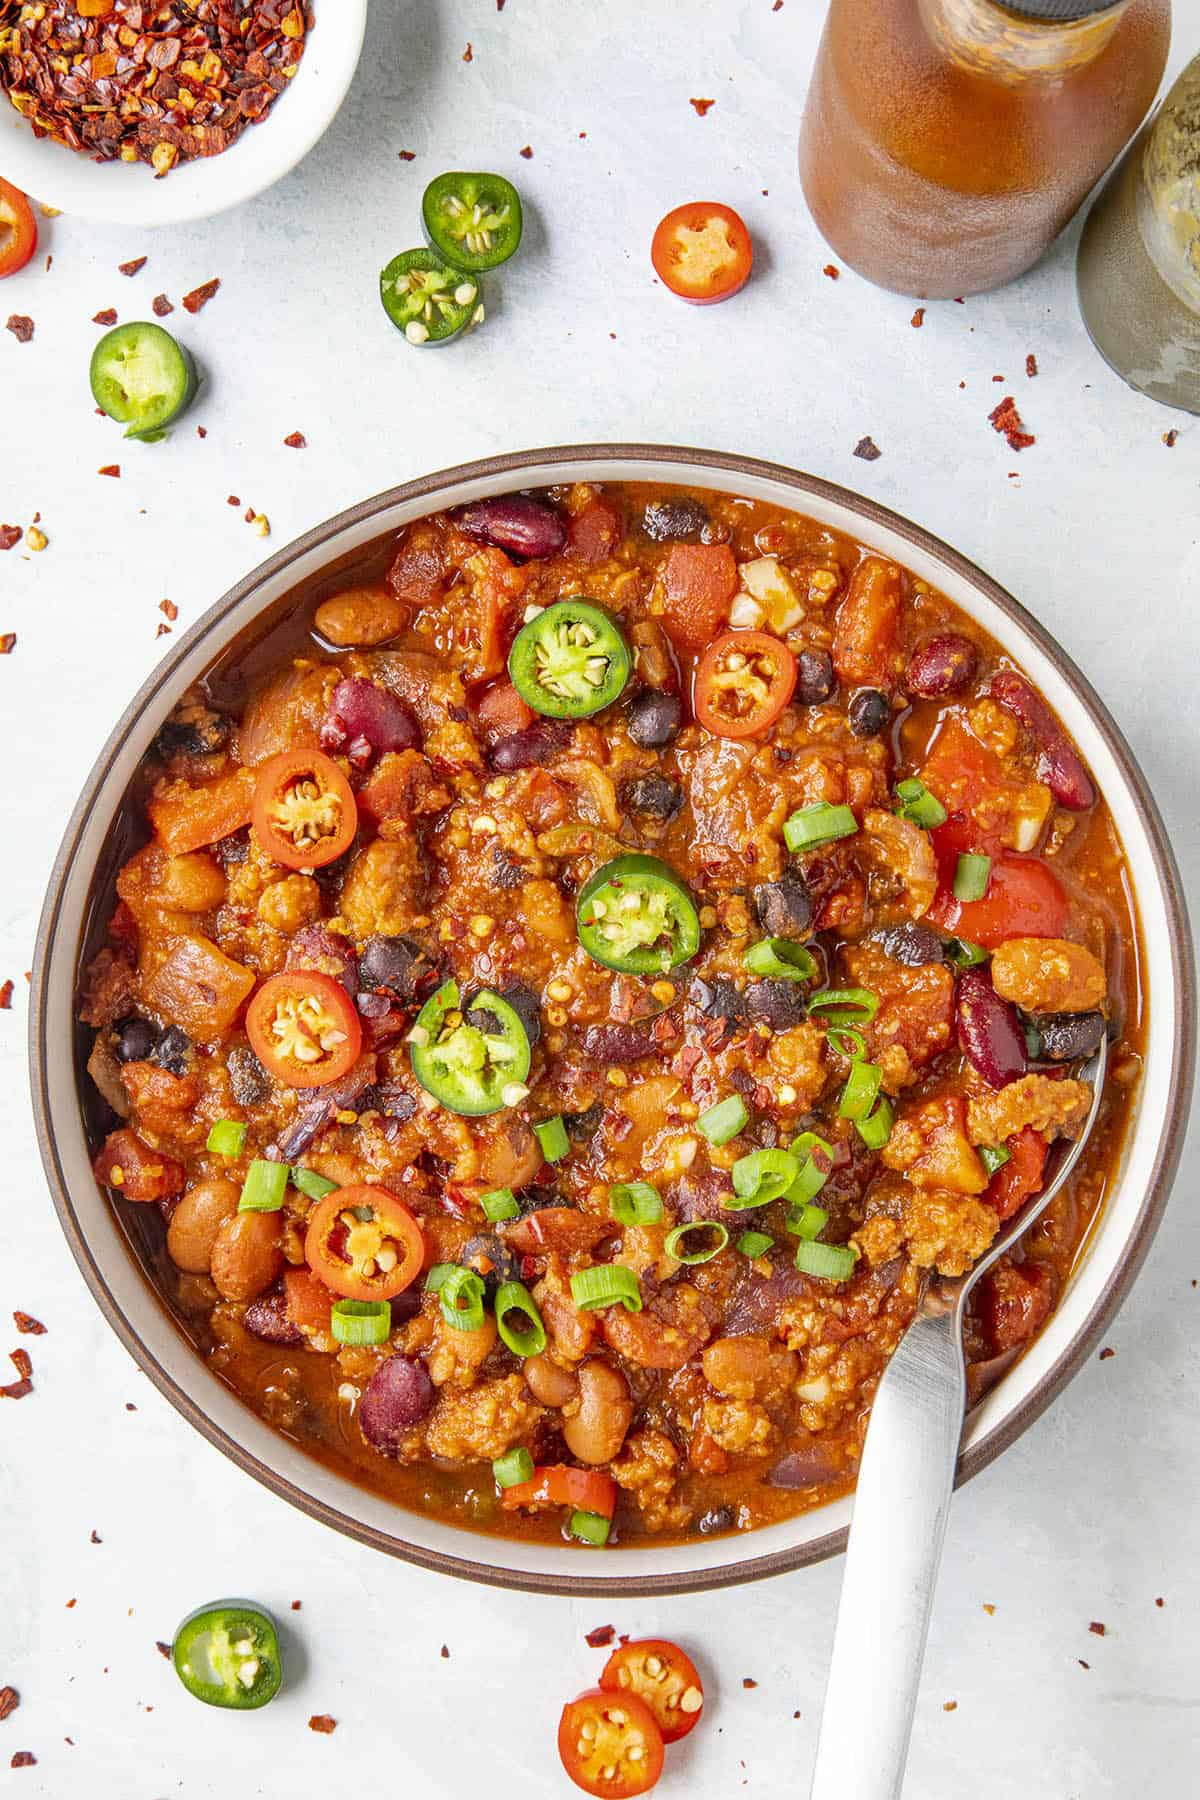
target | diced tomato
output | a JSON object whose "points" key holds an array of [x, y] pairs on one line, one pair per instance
{"points": [[496, 585], [664, 1677], [595, 531], [699, 581], [1024, 899], [1015, 1301], [129, 1164], [557, 1484], [865, 641], [610, 1747], [1020, 1176], [187, 817], [960, 770], [308, 1300], [402, 785], [502, 712], [18, 230]]}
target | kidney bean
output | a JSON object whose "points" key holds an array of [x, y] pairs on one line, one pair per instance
{"points": [[620, 1043], [988, 1030], [814, 677], [912, 943], [654, 718], [1065, 1037], [1059, 764], [779, 1004], [316, 947], [943, 664], [676, 521], [362, 709], [699, 1196], [514, 523], [396, 1398], [392, 965], [804, 1468], [536, 744], [267, 1319], [784, 907]]}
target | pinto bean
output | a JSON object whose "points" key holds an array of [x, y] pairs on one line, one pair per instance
{"points": [[988, 1030], [360, 615], [549, 1382], [196, 1221], [595, 1430], [943, 664], [246, 1255], [747, 1368]]}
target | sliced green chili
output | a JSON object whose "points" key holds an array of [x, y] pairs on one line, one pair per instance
{"points": [[589, 1528], [514, 1467], [637, 916], [473, 219], [570, 660], [471, 1067], [141, 377], [427, 298], [227, 1654], [994, 1156]]}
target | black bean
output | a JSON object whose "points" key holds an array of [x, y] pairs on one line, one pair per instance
{"points": [[868, 712], [586, 1124], [194, 731], [388, 1098], [654, 718], [779, 1004], [172, 1050], [392, 965], [678, 520], [233, 849], [912, 943], [1065, 1037], [784, 907], [653, 795], [718, 999], [248, 1081], [528, 1007], [486, 1249], [814, 677], [136, 1038]]}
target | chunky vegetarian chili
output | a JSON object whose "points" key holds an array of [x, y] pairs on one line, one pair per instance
{"points": [[583, 971]]}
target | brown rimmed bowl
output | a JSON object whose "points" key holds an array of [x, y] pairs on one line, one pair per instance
{"points": [[119, 1280]]}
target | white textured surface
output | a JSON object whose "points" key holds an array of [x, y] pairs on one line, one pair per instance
{"points": [[1092, 1516]]}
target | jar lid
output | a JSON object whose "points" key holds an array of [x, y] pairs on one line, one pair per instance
{"points": [[1059, 10]]}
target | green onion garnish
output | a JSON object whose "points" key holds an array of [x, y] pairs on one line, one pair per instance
{"points": [[781, 958], [264, 1187], [807, 1221], [461, 1293], [818, 824], [877, 1128], [761, 1177], [589, 1528], [846, 1041], [361, 1321], [994, 1156], [919, 806], [724, 1120], [971, 876], [858, 1095], [551, 1134], [310, 1183], [514, 1467], [676, 1241], [815, 1159], [500, 1204], [754, 1244], [438, 1276], [635, 1203], [527, 1336], [226, 1138], [832, 1262], [964, 954], [606, 1284], [844, 1006]]}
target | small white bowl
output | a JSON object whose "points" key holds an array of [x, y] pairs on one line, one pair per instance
{"points": [[129, 194]]}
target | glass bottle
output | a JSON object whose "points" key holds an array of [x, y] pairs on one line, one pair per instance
{"points": [[945, 143], [1139, 256]]}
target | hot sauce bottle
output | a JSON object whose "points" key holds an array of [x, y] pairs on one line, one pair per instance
{"points": [[945, 143]]}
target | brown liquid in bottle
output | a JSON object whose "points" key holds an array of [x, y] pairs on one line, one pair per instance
{"points": [[946, 143]]}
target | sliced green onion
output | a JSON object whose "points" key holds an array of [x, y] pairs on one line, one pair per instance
{"points": [[310, 1183], [862, 1086], [844, 1006], [994, 1156], [818, 824], [514, 1467], [832, 1262], [461, 1294], [919, 806], [807, 1221], [724, 1120], [964, 954], [551, 1134], [754, 1244], [971, 876], [528, 1338], [606, 1284], [815, 1158], [264, 1187], [438, 1276], [1033, 1041], [676, 1241], [762, 1176], [635, 1203], [780, 957], [589, 1528], [500, 1204], [877, 1128], [846, 1041], [361, 1321], [226, 1138]]}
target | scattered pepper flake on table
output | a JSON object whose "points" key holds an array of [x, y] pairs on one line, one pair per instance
{"points": [[1170, 438], [21, 326], [22, 1320], [296, 440], [95, 1538], [918, 318], [113, 469], [1159, 1601], [468, 54], [160, 306], [36, 538], [200, 296], [600, 1638], [8, 639], [106, 316], [23, 1759], [748, 1682], [232, 500], [868, 449], [701, 106], [9, 1701], [163, 630], [526, 152], [132, 267], [989, 1609], [1031, 366], [1106, 1353], [444, 1653], [1098, 1629], [163, 1649], [21, 1363], [10, 535], [949, 1705], [1008, 422], [832, 270], [169, 610], [322, 1722], [296, 1605]]}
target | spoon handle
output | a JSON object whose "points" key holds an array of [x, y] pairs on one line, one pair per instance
{"points": [[900, 1512]]}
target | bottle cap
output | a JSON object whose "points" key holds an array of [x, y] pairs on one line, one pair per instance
{"points": [[1060, 11]]}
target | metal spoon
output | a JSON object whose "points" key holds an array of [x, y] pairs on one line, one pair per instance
{"points": [[901, 1505]]}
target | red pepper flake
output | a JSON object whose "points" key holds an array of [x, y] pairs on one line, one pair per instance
{"points": [[107, 316], [6, 994], [8, 642], [113, 469], [949, 1705], [129, 1406], [296, 440], [169, 610], [200, 296], [1097, 1629], [600, 1638], [499, 5], [248, 515], [9, 1701], [1082, 1664], [21, 326], [322, 1722], [131, 268], [71, 1603], [163, 631], [1106, 1353], [27, 1323], [17, 1390], [10, 535], [23, 1759], [778, 7], [1031, 367], [868, 449], [21, 1363], [989, 1609], [160, 306], [1160, 1601], [407, 155], [997, 378], [701, 106], [747, 1682], [95, 1538], [296, 1604], [526, 152], [1170, 438], [444, 1653], [832, 270], [918, 318], [232, 500], [201, 431], [468, 54], [1008, 422], [163, 1649]]}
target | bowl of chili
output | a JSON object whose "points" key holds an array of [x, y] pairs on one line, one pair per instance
{"points": [[222, 112], [639, 921]]}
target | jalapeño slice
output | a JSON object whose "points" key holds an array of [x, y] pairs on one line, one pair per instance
{"points": [[473, 220], [570, 661], [227, 1654], [473, 1060], [428, 299], [636, 915], [141, 378]]}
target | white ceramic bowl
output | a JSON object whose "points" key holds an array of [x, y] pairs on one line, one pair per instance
{"points": [[128, 193], [1105, 1271]]}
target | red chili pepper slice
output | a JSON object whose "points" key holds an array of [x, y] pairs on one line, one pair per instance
{"points": [[304, 812], [664, 1677], [304, 1028], [743, 684], [556, 1484], [702, 252], [364, 1243], [610, 1746], [18, 229]]}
